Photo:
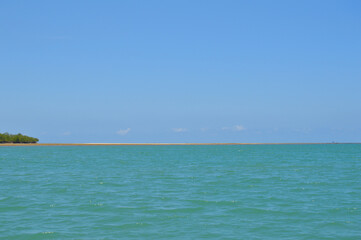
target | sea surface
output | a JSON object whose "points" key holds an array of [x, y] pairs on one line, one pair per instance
{"points": [[181, 192]]}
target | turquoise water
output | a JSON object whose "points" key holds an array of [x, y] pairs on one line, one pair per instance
{"points": [[181, 192]]}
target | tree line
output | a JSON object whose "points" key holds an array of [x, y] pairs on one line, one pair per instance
{"points": [[16, 138]]}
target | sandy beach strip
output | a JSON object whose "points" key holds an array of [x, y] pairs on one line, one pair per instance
{"points": [[145, 144]]}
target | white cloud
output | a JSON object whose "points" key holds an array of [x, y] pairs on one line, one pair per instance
{"points": [[234, 128], [123, 132], [239, 128], [178, 130], [66, 133]]}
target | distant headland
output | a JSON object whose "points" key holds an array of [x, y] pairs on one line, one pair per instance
{"points": [[6, 138]]}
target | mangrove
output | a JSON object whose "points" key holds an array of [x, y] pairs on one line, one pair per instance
{"points": [[16, 138]]}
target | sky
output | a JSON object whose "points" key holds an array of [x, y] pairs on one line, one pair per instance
{"points": [[181, 71]]}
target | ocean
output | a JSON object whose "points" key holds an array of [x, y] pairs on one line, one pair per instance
{"points": [[181, 192]]}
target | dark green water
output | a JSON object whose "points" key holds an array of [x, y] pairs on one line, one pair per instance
{"points": [[181, 192]]}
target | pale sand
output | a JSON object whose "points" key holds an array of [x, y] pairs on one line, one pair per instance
{"points": [[142, 144]]}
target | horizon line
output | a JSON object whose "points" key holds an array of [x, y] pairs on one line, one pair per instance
{"points": [[163, 144]]}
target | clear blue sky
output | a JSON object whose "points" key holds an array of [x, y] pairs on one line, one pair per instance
{"points": [[181, 71]]}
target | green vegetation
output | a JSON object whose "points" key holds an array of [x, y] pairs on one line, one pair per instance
{"points": [[18, 138]]}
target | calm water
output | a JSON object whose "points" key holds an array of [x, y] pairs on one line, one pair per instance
{"points": [[181, 192]]}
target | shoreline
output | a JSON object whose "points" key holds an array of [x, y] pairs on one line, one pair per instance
{"points": [[151, 144]]}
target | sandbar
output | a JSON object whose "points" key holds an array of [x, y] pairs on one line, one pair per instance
{"points": [[146, 144]]}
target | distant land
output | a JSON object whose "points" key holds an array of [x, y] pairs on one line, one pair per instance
{"points": [[152, 144], [6, 138]]}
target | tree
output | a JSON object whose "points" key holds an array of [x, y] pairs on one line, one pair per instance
{"points": [[18, 138]]}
